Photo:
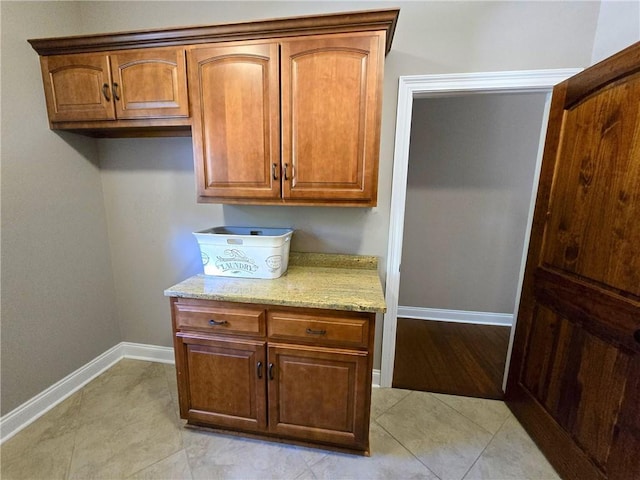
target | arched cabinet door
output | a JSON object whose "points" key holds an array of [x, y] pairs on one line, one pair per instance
{"points": [[150, 83], [331, 101], [236, 120], [78, 87], [128, 84]]}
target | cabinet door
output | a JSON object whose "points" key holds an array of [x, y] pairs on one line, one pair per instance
{"points": [[319, 394], [236, 120], [222, 382], [331, 102], [77, 87], [150, 83]]}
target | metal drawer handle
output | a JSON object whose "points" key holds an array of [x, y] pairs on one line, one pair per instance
{"points": [[105, 92], [115, 91], [271, 371], [213, 322], [286, 166], [259, 369], [274, 171], [316, 332]]}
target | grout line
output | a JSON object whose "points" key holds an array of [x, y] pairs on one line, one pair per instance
{"points": [[470, 419], [485, 447], [400, 400], [403, 446]]}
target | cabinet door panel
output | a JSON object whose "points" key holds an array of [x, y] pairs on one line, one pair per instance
{"points": [[331, 102], [319, 394], [150, 83], [77, 87], [236, 120], [222, 382]]}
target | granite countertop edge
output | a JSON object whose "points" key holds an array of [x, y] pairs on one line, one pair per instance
{"points": [[324, 281]]}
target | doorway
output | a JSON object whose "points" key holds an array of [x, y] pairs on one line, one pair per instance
{"points": [[439, 86]]}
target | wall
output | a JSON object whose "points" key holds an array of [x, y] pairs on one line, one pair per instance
{"points": [[148, 193], [58, 302], [471, 167], [618, 27], [148, 185]]}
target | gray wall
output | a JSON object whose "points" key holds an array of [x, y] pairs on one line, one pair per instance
{"points": [[60, 315], [618, 27], [58, 302], [471, 166]]}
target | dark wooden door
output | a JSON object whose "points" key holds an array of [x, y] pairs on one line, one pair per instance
{"points": [[222, 381], [574, 380], [319, 394], [236, 120], [331, 101], [150, 83]]}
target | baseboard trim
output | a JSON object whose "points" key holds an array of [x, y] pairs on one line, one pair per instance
{"points": [[456, 316], [32, 409], [375, 381]]}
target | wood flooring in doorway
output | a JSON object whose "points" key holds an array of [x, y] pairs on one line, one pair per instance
{"points": [[455, 358]]}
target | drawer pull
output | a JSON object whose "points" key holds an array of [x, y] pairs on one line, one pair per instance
{"points": [[105, 92], [259, 369], [214, 323], [271, 371], [316, 332]]}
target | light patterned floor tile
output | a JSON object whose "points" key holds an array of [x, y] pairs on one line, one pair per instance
{"points": [[388, 460], [218, 456], [174, 467], [382, 399], [489, 414], [125, 424], [43, 449], [441, 438], [512, 455]]}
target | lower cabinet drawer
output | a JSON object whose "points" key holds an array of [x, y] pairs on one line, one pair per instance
{"points": [[219, 318], [340, 329]]}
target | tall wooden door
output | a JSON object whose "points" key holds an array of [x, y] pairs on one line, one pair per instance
{"points": [[574, 381]]}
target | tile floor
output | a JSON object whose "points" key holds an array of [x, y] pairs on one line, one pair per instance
{"points": [[125, 425]]}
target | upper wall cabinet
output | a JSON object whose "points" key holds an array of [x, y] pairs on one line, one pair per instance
{"points": [[283, 111], [146, 83], [323, 92]]}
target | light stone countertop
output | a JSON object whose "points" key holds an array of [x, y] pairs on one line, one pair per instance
{"points": [[336, 282]]}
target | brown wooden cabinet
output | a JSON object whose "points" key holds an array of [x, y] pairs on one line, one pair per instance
{"points": [[323, 92], [128, 84], [283, 111], [300, 375]]}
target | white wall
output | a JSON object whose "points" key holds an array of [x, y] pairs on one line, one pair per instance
{"points": [[58, 302], [61, 314], [471, 166], [618, 27]]}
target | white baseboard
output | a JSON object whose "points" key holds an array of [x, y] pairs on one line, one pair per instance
{"points": [[31, 410], [375, 381], [457, 316]]}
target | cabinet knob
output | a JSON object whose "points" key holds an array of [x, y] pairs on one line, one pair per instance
{"points": [[105, 92], [213, 322]]}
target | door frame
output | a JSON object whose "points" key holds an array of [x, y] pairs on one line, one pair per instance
{"points": [[430, 86]]}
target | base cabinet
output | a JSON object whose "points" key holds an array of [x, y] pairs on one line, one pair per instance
{"points": [[304, 389]]}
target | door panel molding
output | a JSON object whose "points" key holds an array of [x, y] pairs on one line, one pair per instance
{"points": [[426, 86]]}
